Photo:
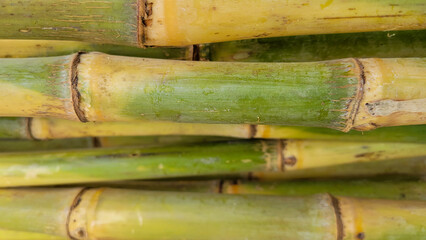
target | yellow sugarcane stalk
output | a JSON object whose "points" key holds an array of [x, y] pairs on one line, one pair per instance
{"points": [[186, 22], [104, 213]]}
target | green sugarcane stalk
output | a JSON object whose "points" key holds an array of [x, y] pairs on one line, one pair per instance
{"points": [[18, 48], [182, 23], [393, 167], [284, 49], [41, 129], [397, 189], [319, 47], [30, 145], [104, 213], [197, 160], [345, 94]]}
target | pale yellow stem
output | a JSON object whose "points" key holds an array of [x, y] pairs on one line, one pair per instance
{"points": [[183, 22], [393, 93]]}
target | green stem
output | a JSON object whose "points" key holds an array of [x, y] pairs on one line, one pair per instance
{"points": [[103, 213], [398, 189], [319, 47], [391, 167], [46, 48], [30, 145], [113, 88], [109, 21], [103, 164]]}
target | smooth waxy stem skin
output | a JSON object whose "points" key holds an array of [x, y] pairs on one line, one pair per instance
{"points": [[319, 47], [103, 213], [384, 189], [283, 49], [402, 190], [220, 158], [100, 87], [180, 23], [29, 145], [50, 128], [46, 48], [108, 22]]}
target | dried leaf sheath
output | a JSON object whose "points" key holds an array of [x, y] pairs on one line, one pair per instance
{"points": [[186, 22], [104, 213], [113, 88]]}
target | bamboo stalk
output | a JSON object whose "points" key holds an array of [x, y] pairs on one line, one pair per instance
{"points": [[285, 49], [229, 158], [180, 23], [46, 48], [397, 189], [319, 47], [359, 94], [104, 213]]}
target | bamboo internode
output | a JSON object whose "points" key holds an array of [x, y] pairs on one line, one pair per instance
{"points": [[359, 94], [105, 213], [180, 23], [291, 158]]}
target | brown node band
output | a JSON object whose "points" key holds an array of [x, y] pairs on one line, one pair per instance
{"points": [[339, 222], [144, 12], [358, 96], [76, 97], [74, 204], [28, 129]]}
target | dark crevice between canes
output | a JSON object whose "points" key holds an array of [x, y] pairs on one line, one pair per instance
{"points": [[195, 52], [220, 186], [74, 204], [252, 131], [96, 142], [76, 97], [339, 222]]}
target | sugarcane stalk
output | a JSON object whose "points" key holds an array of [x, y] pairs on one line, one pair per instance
{"points": [[359, 94], [195, 160], [180, 23], [104, 213], [29, 145], [390, 167], [18, 48], [151, 141], [397, 189], [22, 235], [319, 47], [285, 49], [49, 128], [387, 189]]}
